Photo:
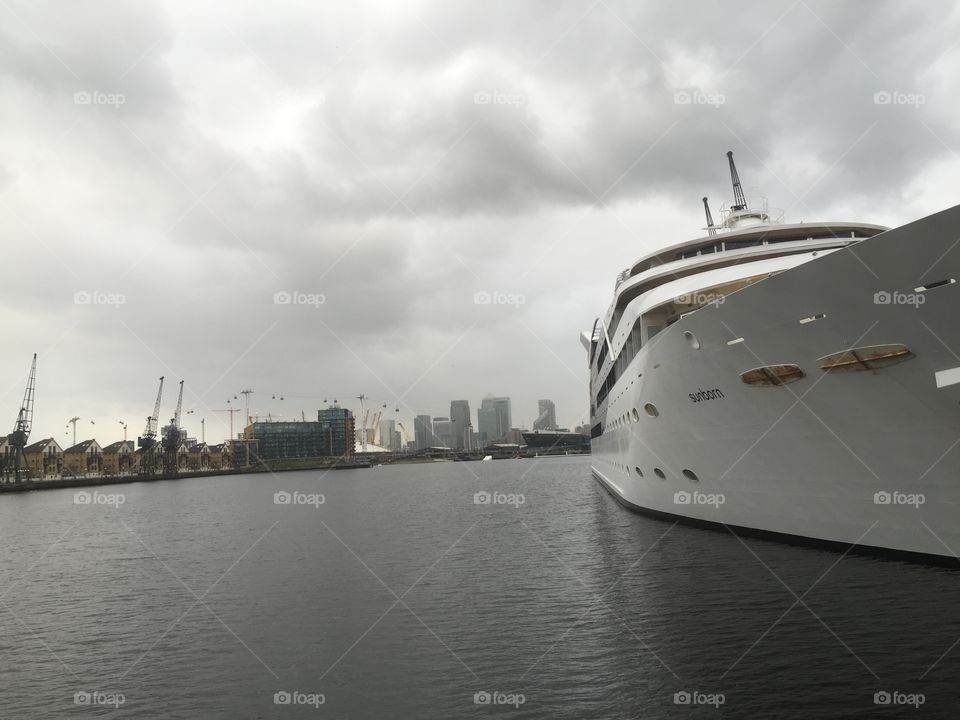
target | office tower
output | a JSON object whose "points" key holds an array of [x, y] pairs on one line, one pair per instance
{"points": [[547, 416], [460, 419], [494, 419], [423, 431]]}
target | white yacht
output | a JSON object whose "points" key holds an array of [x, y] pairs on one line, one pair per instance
{"points": [[800, 381]]}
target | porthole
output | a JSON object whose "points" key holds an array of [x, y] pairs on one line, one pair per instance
{"points": [[690, 475], [639, 471], [636, 415], [772, 375], [659, 473], [651, 410], [692, 339], [871, 357]]}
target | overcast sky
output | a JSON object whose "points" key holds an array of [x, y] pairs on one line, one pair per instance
{"points": [[184, 162]]}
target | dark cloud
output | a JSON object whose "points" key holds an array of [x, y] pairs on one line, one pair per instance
{"points": [[396, 160]]}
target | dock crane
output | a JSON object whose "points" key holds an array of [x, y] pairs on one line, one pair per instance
{"points": [[171, 440], [147, 441], [21, 428]]}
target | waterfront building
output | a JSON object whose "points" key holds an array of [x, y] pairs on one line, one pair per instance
{"points": [[118, 458], [84, 458], [337, 424], [422, 431], [443, 435], [198, 456], [494, 419], [44, 458], [460, 422], [547, 416]]}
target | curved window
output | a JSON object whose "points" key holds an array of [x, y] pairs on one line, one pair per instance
{"points": [[659, 473], [772, 375], [870, 357], [692, 339], [639, 471], [690, 475], [636, 415], [651, 410]]}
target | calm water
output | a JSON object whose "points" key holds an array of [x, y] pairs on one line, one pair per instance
{"points": [[401, 597]]}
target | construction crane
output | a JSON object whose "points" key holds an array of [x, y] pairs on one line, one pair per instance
{"points": [[147, 441], [230, 410], [740, 202], [171, 440], [246, 405], [710, 228], [21, 428]]}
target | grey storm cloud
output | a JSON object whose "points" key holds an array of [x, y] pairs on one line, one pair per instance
{"points": [[398, 159]]}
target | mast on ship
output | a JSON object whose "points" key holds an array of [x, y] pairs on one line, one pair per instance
{"points": [[712, 230], [740, 202]]}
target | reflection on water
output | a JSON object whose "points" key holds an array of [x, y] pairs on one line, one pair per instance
{"points": [[402, 594]]}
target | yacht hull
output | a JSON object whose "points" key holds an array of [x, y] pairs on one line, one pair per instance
{"points": [[868, 457]]}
